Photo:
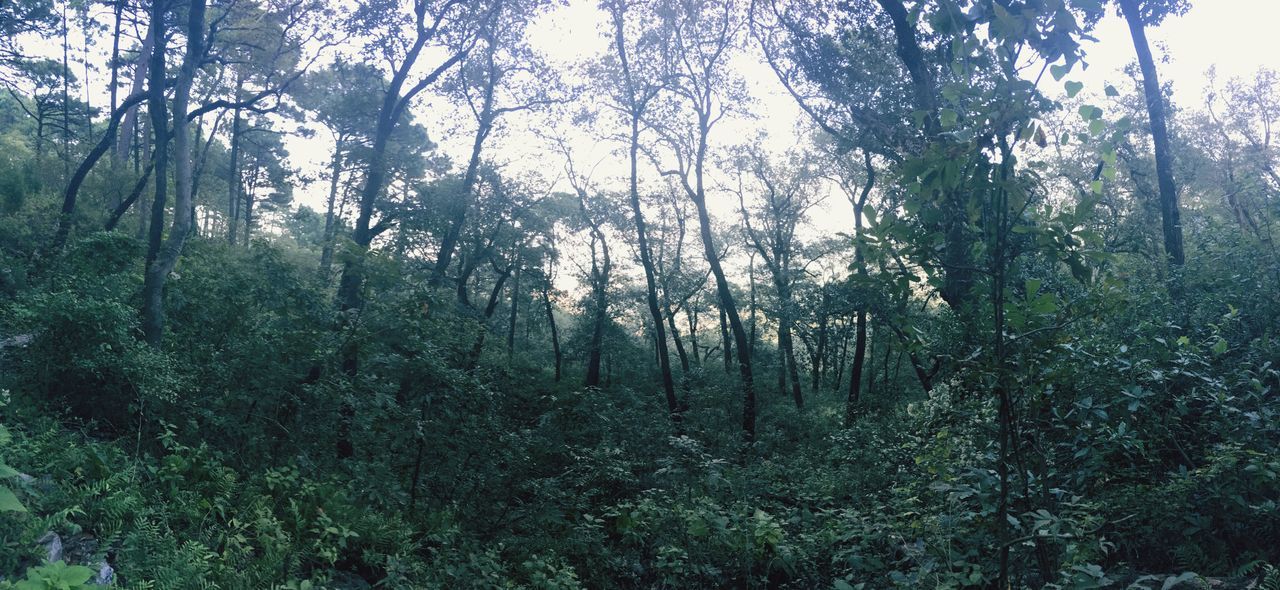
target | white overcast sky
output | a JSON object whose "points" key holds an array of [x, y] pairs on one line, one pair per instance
{"points": [[1236, 36]]}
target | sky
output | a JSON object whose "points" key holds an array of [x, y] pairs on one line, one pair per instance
{"points": [[1237, 37]]}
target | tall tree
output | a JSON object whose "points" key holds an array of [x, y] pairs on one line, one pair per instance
{"points": [[636, 90], [786, 192], [1139, 14], [701, 36], [502, 75], [401, 33]]}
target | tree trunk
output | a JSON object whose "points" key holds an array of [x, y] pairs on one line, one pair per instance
{"points": [[233, 173], [515, 307], [675, 338], [551, 321], [1169, 209], [330, 223], [691, 317], [166, 258], [137, 191], [139, 81], [599, 290], [642, 239], [725, 343], [819, 357], [473, 361], [82, 171], [860, 262], [788, 347]]}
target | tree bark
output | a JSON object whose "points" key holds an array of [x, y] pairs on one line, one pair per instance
{"points": [[166, 258], [860, 261], [1169, 209], [330, 222], [139, 82], [233, 173], [551, 321]]}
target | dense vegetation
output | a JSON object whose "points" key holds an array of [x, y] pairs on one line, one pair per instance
{"points": [[1036, 348]]}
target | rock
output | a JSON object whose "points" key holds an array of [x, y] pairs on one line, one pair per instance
{"points": [[105, 576], [52, 545], [19, 341]]}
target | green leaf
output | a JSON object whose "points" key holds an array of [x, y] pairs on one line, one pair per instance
{"points": [[1044, 304], [1074, 88], [842, 585], [948, 117], [1090, 112], [1111, 90], [1219, 347], [76, 575], [1060, 71], [6, 472], [1097, 126], [9, 502], [1095, 187]]}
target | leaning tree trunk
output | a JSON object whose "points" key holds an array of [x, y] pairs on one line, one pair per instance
{"points": [[1169, 210], [165, 259], [139, 83], [646, 259]]}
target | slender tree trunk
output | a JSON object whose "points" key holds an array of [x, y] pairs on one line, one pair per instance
{"points": [[113, 91], [675, 338], [698, 195], [515, 307], [495, 295], [138, 84], [819, 357], [167, 257], [600, 314], [551, 321], [148, 142], [860, 262], [751, 279], [450, 242], [137, 191], [66, 95], [330, 222], [646, 256], [691, 317], [1169, 209], [725, 343], [82, 171], [789, 348], [233, 172], [151, 318]]}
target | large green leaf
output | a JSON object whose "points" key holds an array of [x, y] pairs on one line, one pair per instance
{"points": [[9, 502]]}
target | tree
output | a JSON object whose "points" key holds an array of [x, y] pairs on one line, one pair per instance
{"points": [[1139, 14], [162, 255], [342, 99], [501, 76], [786, 192], [634, 92], [400, 34], [701, 36]]}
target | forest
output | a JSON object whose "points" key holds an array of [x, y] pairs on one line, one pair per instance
{"points": [[558, 294]]}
